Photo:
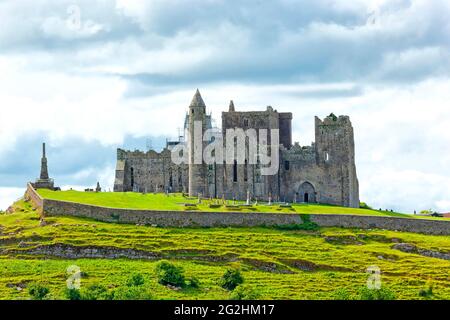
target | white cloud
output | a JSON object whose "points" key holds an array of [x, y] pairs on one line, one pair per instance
{"points": [[9, 195], [65, 29], [132, 67]]}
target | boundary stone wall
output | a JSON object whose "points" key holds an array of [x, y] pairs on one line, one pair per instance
{"points": [[34, 197], [236, 219]]}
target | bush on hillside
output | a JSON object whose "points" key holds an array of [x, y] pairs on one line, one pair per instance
{"points": [[37, 291], [426, 293], [376, 294], [96, 292], [135, 280], [364, 205], [193, 283], [231, 279], [169, 274], [73, 294], [342, 294], [132, 293], [243, 292]]}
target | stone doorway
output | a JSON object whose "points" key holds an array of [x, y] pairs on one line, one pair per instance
{"points": [[307, 192]]}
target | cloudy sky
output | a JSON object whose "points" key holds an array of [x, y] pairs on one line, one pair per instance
{"points": [[90, 76]]}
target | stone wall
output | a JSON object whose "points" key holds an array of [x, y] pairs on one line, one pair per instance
{"points": [[32, 196], [149, 172], [240, 219], [328, 165], [235, 219]]}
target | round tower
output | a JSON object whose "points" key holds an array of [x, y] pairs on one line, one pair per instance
{"points": [[197, 126]]}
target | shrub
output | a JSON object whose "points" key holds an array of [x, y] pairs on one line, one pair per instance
{"points": [[169, 274], [364, 205], [132, 293], [341, 294], [37, 291], [243, 292], [73, 294], [426, 293], [376, 294], [96, 292], [193, 282], [136, 280], [231, 279]]}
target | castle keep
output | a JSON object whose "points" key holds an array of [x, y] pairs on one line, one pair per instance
{"points": [[324, 172]]}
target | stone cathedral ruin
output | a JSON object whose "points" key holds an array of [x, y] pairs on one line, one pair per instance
{"points": [[324, 172]]}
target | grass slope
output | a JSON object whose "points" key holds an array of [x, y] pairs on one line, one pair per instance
{"points": [[280, 264], [132, 200]]}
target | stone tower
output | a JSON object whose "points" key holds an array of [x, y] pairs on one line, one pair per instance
{"points": [[196, 128], [335, 154]]}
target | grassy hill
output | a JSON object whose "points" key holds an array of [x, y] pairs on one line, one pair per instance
{"points": [[276, 264], [159, 201]]}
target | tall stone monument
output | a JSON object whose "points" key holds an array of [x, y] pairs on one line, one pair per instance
{"points": [[44, 182]]}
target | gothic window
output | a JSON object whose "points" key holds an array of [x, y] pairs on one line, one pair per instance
{"points": [[245, 122]]}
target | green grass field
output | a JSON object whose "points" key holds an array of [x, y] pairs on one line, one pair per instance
{"points": [[131, 200], [277, 264]]}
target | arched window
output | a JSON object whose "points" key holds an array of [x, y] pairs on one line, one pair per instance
{"points": [[235, 171]]}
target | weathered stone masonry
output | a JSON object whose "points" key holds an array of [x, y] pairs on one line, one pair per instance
{"points": [[237, 219], [323, 172]]}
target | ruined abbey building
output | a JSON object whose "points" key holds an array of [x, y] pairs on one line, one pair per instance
{"points": [[324, 172]]}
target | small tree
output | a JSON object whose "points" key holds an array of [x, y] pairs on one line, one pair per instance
{"points": [[231, 279], [37, 291], [169, 274]]}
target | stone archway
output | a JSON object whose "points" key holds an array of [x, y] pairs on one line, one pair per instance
{"points": [[307, 193]]}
